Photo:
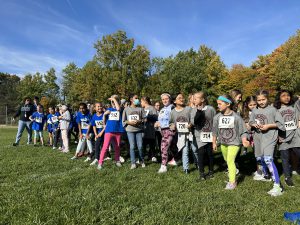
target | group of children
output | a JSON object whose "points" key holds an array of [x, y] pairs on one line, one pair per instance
{"points": [[179, 127]]}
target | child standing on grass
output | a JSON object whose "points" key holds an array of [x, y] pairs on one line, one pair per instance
{"points": [[267, 120], [113, 130], [202, 120], [38, 119], [230, 131], [167, 134], [150, 117], [98, 128], [133, 123], [52, 121], [180, 122], [289, 140], [83, 120], [65, 120]]}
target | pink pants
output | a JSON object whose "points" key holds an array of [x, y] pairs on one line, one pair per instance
{"points": [[115, 139]]}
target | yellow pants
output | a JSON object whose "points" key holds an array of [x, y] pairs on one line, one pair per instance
{"points": [[229, 153]]}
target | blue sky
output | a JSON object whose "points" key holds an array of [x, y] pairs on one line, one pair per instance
{"points": [[36, 35]]}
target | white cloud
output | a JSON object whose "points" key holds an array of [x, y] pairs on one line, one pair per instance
{"points": [[21, 62]]}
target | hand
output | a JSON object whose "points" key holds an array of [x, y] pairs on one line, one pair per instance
{"points": [[264, 127], [246, 143], [214, 147], [80, 136], [248, 126], [190, 126], [172, 127], [255, 125], [157, 124], [87, 136]]}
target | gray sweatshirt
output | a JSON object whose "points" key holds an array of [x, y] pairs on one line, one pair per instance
{"points": [[229, 129], [65, 121], [181, 119], [130, 114], [203, 134], [265, 141]]}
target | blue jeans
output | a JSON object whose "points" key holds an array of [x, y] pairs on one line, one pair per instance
{"points": [[22, 125], [135, 138], [185, 154]]}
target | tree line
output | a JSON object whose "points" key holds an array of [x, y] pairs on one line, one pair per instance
{"points": [[121, 67]]}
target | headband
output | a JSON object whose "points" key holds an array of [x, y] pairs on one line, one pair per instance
{"points": [[224, 99], [166, 95]]}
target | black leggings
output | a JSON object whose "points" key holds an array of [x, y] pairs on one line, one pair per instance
{"points": [[206, 149], [285, 157], [98, 146], [151, 143]]}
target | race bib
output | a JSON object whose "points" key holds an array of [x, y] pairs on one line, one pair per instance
{"points": [[291, 125], [147, 112], [206, 136], [115, 115], [54, 119], [38, 119], [182, 127], [99, 124], [84, 125], [49, 121], [226, 122], [133, 117]]}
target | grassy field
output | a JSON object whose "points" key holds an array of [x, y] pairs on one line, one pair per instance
{"points": [[43, 186]]}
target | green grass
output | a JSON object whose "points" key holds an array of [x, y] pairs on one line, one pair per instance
{"points": [[43, 186]]}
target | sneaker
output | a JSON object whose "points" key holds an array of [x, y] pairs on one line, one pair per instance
{"points": [[65, 151], [294, 171], [54, 148], [258, 176], [99, 167], [87, 159], [237, 171], [60, 148], [94, 163], [107, 158], [154, 159], [230, 186], [76, 142], [143, 165], [276, 190], [172, 163], [210, 175], [162, 169], [137, 162], [133, 166], [15, 144], [289, 182], [202, 177], [122, 160], [186, 171], [118, 164], [74, 157]]}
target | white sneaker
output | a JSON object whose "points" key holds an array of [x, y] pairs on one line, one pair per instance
{"points": [[295, 172], [133, 166], [172, 163], [87, 159], [258, 176], [154, 159], [162, 169], [230, 186], [54, 148], [276, 190], [74, 157], [122, 160], [99, 167], [118, 164], [137, 161], [143, 165], [107, 158], [94, 162]]}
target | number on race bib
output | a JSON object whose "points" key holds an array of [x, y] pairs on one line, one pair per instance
{"points": [[226, 122], [133, 117], [115, 115], [206, 136], [291, 125], [54, 119], [38, 119], [99, 124], [84, 125], [182, 127]]}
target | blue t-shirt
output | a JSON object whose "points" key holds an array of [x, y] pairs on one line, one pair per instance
{"points": [[97, 121], [39, 120], [52, 121], [114, 122], [84, 120]]}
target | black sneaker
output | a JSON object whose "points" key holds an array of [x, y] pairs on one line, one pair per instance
{"points": [[210, 175], [201, 177], [15, 144], [186, 171], [289, 182]]}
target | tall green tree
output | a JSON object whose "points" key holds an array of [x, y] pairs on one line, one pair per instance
{"points": [[51, 87]]}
